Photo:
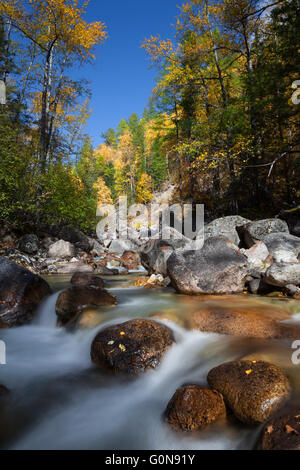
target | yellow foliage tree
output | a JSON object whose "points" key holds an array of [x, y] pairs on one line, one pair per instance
{"points": [[144, 189], [103, 192]]}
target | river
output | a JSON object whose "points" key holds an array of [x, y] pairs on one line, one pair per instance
{"points": [[59, 400]]}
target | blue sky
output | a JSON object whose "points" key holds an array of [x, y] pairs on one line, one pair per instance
{"points": [[121, 81]]}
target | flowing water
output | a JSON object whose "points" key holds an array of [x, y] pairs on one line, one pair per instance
{"points": [[59, 400]]}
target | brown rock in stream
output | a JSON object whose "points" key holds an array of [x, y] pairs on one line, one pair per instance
{"points": [[21, 292], [241, 323], [253, 390], [192, 408], [73, 300], [131, 347], [282, 432], [87, 279]]}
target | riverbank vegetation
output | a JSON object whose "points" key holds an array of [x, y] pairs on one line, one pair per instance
{"points": [[222, 123]]}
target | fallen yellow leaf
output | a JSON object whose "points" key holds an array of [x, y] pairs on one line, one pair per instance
{"points": [[269, 429], [122, 333], [122, 347], [289, 430], [248, 372]]}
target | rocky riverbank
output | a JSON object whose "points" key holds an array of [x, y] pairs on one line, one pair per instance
{"points": [[260, 257]]}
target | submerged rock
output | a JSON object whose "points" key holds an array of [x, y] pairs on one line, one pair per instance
{"points": [[282, 432], [218, 268], [73, 300], [131, 347], [87, 279], [29, 244], [21, 292], [192, 408], [252, 390]]}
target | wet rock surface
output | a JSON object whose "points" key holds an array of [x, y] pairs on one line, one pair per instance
{"points": [[241, 323], [252, 390], [192, 408], [87, 279], [132, 347], [282, 432], [73, 300], [21, 292]]}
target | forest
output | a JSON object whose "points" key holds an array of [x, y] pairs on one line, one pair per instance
{"points": [[222, 123]]}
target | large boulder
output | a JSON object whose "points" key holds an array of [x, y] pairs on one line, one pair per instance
{"points": [[192, 408], [292, 217], [74, 300], [282, 241], [252, 324], [29, 244], [218, 268], [156, 252], [87, 279], [282, 432], [252, 390], [226, 227], [20, 294], [281, 275], [62, 250], [131, 347], [256, 231]]}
